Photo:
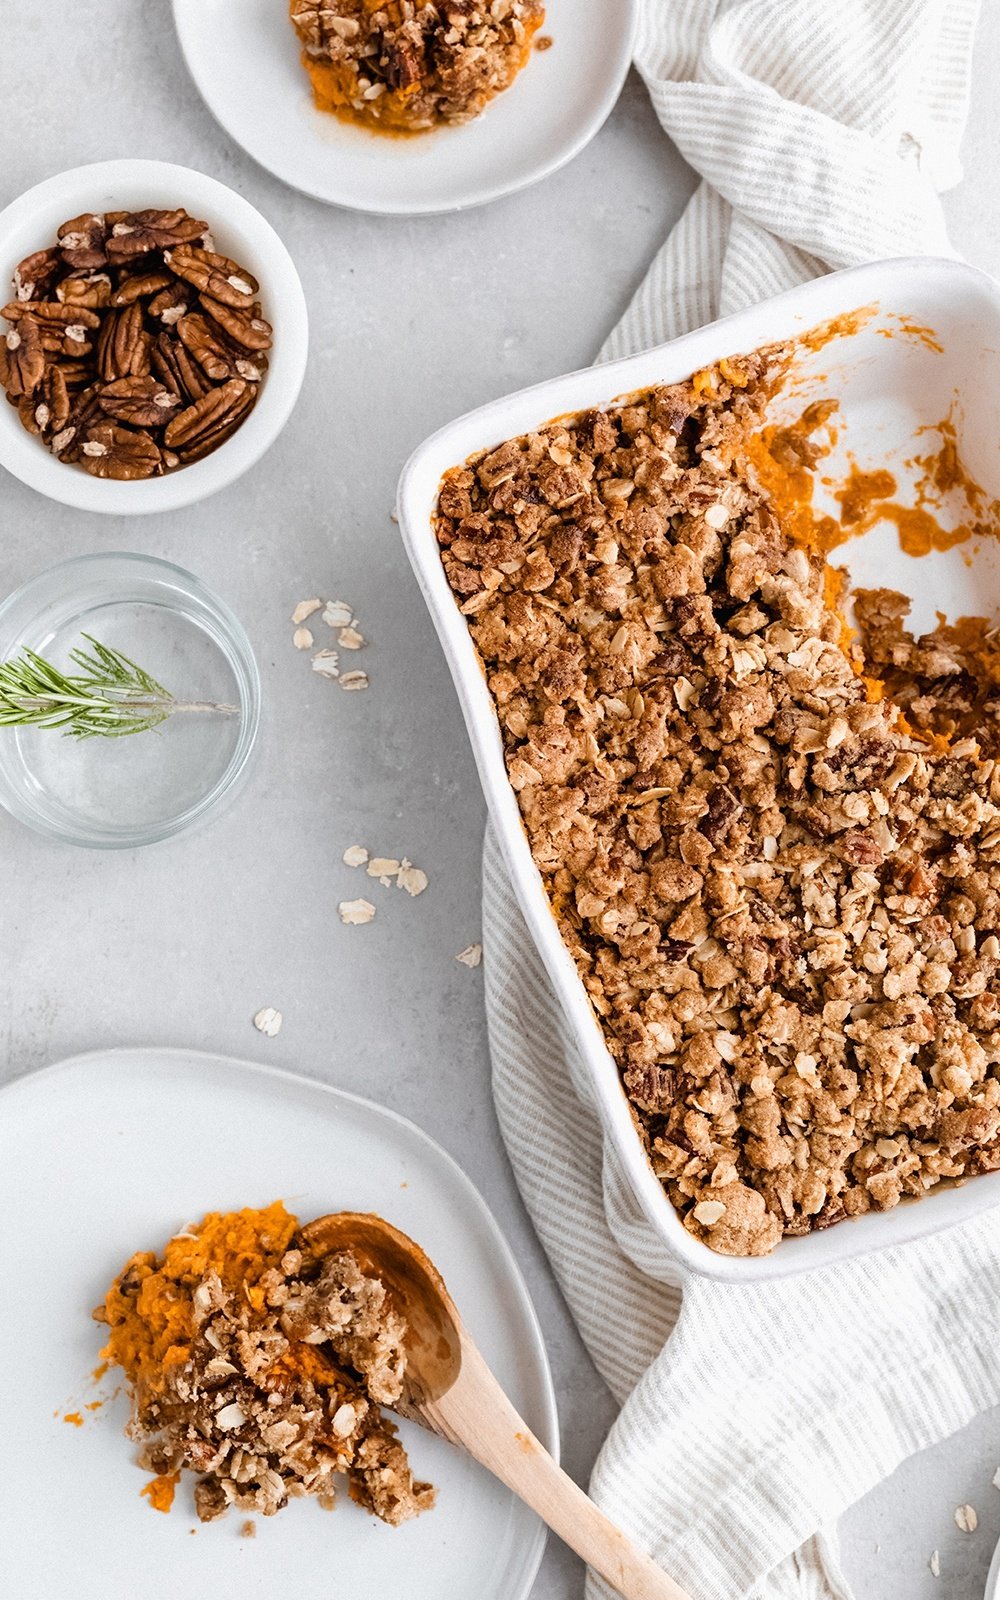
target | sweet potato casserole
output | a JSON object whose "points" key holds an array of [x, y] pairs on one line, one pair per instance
{"points": [[261, 1368], [771, 845], [404, 66]]}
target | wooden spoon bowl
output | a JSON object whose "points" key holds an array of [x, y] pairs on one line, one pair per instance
{"points": [[450, 1390]]}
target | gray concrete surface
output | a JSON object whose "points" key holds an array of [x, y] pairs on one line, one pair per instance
{"points": [[413, 321]]}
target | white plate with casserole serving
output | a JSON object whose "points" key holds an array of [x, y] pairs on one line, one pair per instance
{"points": [[112, 1152], [927, 349], [244, 58]]}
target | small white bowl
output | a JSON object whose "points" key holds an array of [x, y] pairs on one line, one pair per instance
{"points": [[30, 223], [244, 58]]}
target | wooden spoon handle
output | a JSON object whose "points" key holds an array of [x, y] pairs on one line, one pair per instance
{"points": [[476, 1414]]}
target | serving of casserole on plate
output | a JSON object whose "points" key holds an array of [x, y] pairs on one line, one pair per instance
{"points": [[747, 802]]}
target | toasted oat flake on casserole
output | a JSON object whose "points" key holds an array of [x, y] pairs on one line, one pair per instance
{"points": [[405, 67], [781, 890], [261, 1368]]}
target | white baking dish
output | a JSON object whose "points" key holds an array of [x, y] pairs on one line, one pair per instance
{"points": [[891, 384]]}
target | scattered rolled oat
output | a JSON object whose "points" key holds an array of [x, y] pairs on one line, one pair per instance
{"points": [[383, 867], [337, 614], [354, 680], [966, 1518], [996, 1479], [935, 1564], [355, 855], [268, 1021], [351, 639], [471, 956], [411, 878], [304, 610], [325, 663], [302, 639], [355, 912]]}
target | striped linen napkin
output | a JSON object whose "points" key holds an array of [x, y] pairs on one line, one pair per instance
{"points": [[753, 1416]]}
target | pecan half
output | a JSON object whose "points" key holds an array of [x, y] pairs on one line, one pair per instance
{"points": [[22, 359], [51, 402], [176, 369], [142, 402], [91, 290], [212, 355], [139, 287], [170, 304], [203, 427], [123, 347], [140, 232], [245, 328], [214, 275], [82, 241], [34, 276], [84, 410], [112, 452]]}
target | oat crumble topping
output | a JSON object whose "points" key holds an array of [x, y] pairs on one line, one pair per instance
{"points": [[773, 850], [405, 66], [262, 1368]]}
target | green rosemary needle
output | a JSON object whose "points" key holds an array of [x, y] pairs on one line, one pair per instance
{"points": [[109, 696]]}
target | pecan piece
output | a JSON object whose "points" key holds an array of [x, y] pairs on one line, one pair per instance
{"points": [[82, 241], [123, 347], [205, 425], [245, 328], [175, 368], [142, 402], [170, 304], [214, 275], [84, 410], [141, 232], [112, 452], [34, 275], [22, 359], [89, 289], [139, 286], [51, 402], [212, 355]]}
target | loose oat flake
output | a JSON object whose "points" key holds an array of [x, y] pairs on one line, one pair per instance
{"points": [[966, 1518], [355, 855], [304, 610], [354, 680], [351, 639], [338, 614], [471, 956], [411, 878], [935, 1564], [355, 912], [325, 663], [268, 1021], [996, 1479], [383, 867], [302, 639]]}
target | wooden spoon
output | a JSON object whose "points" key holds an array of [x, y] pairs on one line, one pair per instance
{"points": [[450, 1390]]}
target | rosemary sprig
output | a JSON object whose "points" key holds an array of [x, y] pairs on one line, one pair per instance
{"points": [[110, 697]]}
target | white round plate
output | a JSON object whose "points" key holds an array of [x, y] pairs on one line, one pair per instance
{"points": [[244, 58], [993, 1579], [112, 1152]]}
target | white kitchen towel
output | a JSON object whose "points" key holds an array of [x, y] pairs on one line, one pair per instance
{"points": [[752, 1417]]}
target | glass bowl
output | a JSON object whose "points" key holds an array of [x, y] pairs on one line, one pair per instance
{"points": [[116, 793]]}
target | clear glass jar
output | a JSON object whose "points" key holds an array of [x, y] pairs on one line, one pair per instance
{"points": [[116, 793]]}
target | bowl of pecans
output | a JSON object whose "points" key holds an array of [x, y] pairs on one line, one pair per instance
{"points": [[153, 336]]}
